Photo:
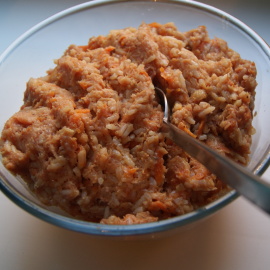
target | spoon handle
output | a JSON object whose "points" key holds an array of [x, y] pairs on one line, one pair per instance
{"points": [[231, 173]]}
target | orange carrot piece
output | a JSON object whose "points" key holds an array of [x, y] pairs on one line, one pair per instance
{"points": [[201, 127], [184, 128], [83, 47], [82, 111], [154, 24]]}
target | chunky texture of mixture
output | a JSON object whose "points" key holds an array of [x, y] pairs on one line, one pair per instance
{"points": [[87, 138]]}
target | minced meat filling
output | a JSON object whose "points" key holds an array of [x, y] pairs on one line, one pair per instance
{"points": [[87, 138]]}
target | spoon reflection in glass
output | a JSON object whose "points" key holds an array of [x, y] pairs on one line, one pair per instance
{"points": [[231, 173]]}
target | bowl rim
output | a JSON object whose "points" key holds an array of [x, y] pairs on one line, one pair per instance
{"points": [[135, 229]]}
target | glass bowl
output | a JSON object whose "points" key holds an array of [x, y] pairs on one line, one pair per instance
{"points": [[33, 53]]}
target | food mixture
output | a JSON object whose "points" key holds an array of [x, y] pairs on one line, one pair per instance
{"points": [[87, 138]]}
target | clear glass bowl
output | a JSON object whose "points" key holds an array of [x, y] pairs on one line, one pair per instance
{"points": [[33, 53]]}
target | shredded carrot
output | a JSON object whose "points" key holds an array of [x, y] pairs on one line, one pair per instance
{"points": [[84, 84], [189, 132], [121, 40], [51, 93], [154, 24], [53, 99], [169, 90], [83, 47], [158, 205], [132, 170], [143, 73], [161, 69], [109, 49], [184, 128], [82, 111], [201, 127]]}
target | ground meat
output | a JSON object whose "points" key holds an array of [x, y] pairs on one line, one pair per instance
{"points": [[87, 138]]}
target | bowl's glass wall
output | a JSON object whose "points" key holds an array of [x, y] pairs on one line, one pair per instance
{"points": [[33, 53]]}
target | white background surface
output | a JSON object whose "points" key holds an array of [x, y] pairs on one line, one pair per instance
{"points": [[238, 237]]}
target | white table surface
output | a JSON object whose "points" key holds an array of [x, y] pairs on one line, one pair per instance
{"points": [[238, 237]]}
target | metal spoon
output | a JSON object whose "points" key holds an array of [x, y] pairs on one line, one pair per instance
{"points": [[236, 176]]}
